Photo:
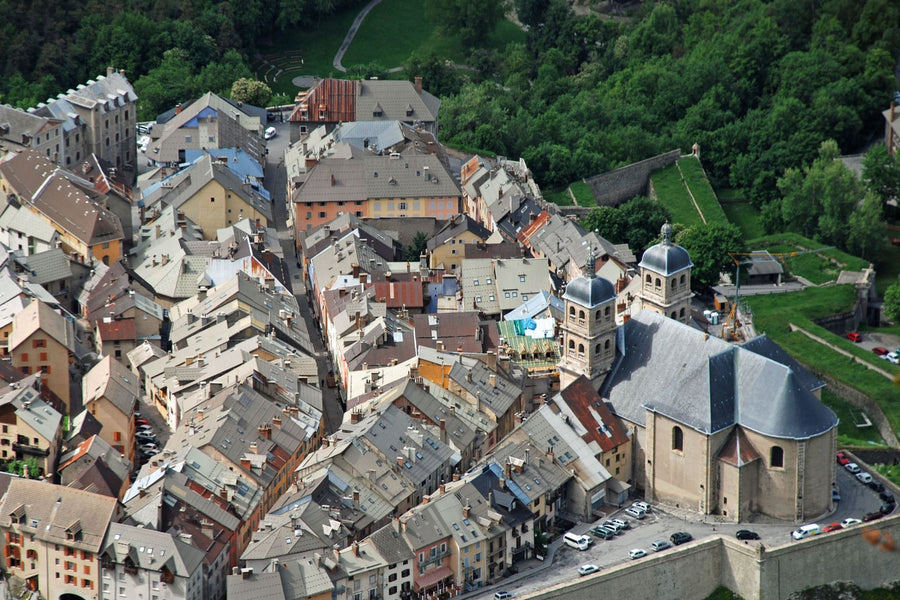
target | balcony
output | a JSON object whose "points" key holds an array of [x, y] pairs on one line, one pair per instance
{"points": [[29, 449]]}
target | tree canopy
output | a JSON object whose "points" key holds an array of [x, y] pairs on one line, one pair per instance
{"points": [[637, 221], [709, 245]]}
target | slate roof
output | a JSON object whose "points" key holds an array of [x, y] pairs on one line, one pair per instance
{"points": [[716, 385], [112, 380], [764, 346], [454, 330], [151, 550], [304, 578], [19, 123], [50, 511], [498, 398], [395, 97], [28, 223], [39, 316], [455, 226], [665, 257], [417, 176], [257, 586], [74, 465], [391, 545], [52, 265], [38, 415], [52, 194]]}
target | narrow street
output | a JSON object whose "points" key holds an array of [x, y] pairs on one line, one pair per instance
{"points": [[276, 177]]}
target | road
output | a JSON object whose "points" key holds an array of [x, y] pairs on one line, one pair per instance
{"points": [[276, 178], [856, 500]]}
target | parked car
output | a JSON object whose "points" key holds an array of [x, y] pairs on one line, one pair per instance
{"points": [[587, 569], [892, 357], [144, 434], [603, 532], [149, 452], [621, 522], [637, 513], [842, 458], [805, 531], [746, 534], [835, 496], [852, 467], [681, 537], [141, 421], [660, 545], [872, 516], [876, 485], [853, 336], [864, 477], [833, 527], [850, 522], [144, 428], [887, 497], [642, 505], [270, 133], [887, 508], [617, 529], [148, 446], [880, 351], [637, 553]]}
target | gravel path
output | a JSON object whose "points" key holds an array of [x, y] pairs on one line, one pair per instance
{"points": [[351, 34]]}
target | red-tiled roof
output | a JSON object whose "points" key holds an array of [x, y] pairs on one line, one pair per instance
{"points": [[122, 329], [534, 227], [590, 410], [399, 294]]}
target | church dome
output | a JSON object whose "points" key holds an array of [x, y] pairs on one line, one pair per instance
{"points": [[666, 258], [589, 291]]}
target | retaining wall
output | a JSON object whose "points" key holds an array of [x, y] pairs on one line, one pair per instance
{"points": [[616, 187], [753, 571]]}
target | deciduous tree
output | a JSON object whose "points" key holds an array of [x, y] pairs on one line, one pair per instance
{"points": [[251, 91], [709, 245]]}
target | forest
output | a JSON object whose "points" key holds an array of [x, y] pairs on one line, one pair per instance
{"points": [[171, 50]]}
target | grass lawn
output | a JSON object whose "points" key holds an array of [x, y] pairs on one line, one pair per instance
{"points": [[887, 263], [583, 194], [560, 198], [820, 267], [848, 433], [771, 315], [397, 28], [674, 196], [746, 217], [314, 46], [703, 193]]}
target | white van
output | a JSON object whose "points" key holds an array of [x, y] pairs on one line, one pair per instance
{"points": [[634, 511], [806, 531], [579, 542]]}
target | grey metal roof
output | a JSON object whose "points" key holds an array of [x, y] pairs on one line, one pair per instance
{"points": [[764, 346], [257, 586], [394, 98], [590, 291], [665, 257], [708, 384]]}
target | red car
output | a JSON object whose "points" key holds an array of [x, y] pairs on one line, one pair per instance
{"points": [[880, 351], [842, 458], [833, 527], [853, 336]]}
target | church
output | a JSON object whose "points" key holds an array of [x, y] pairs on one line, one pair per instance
{"points": [[720, 429]]}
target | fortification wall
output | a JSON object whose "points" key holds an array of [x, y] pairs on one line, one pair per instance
{"points": [[866, 555], [614, 187]]}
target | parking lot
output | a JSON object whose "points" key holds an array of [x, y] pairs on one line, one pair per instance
{"points": [[856, 500]]}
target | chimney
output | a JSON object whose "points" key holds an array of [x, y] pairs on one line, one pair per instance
{"points": [[527, 455], [456, 477], [355, 548], [443, 423], [356, 505], [354, 269], [337, 553], [443, 488], [503, 482], [332, 180], [265, 431], [276, 421], [235, 570], [491, 358], [492, 380], [246, 572], [418, 80], [254, 448], [399, 461], [395, 524], [178, 108], [364, 278], [466, 509], [110, 70], [245, 463], [508, 469]]}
